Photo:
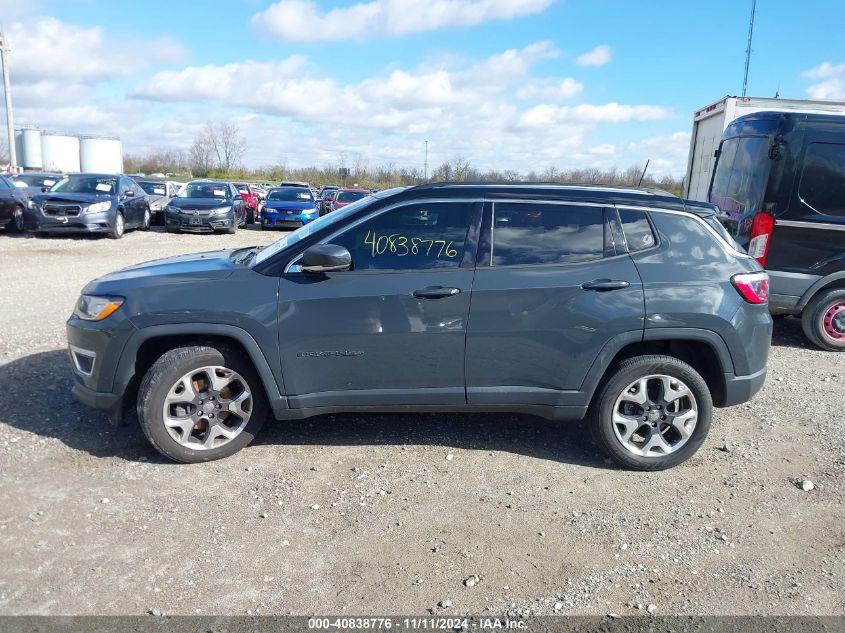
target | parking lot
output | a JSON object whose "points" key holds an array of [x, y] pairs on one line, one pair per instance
{"points": [[400, 513]]}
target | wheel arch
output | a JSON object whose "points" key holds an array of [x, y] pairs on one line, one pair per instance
{"points": [[148, 344], [704, 350], [833, 280]]}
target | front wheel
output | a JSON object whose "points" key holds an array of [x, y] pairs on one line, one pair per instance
{"points": [[148, 220], [17, 223], [119, 227], [653, 413], [201, 403], [823, 320]]}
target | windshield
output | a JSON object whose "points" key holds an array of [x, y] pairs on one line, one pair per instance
{"points": [[204, 190], [740, 176], [95, 185], [34, 180], [309, 229], [351, 196], [154, 188], [296, 194]]}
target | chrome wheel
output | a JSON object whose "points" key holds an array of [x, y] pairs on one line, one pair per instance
{"points": [[148, 219], [18, 220], [119, 225], [655, 415], [207, 408]]}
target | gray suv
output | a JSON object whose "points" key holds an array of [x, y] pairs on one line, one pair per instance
{"points": [[632, 307]]}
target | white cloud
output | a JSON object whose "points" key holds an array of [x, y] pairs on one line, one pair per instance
{"points": [[300, 20], [599, 56], [832, 84], [551, 90]]}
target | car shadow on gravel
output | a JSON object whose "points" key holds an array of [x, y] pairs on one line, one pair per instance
{"points": [[37, 398], [787, 332]]}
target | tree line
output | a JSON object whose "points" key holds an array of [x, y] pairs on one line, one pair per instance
{"points": [[218, 150]]}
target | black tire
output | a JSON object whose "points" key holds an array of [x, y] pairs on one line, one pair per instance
{"points": [[628, 371], [17, 223], [119, 228], [147, 221], [167, 370], [813, 319]]}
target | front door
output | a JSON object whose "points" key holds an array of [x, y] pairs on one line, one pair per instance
{"points": [[549, 293], [392, 330]]}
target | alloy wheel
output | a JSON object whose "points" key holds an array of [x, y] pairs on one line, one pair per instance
{"points": [[655, 415], [207, 408]]}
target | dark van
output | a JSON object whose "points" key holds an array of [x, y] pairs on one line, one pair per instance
{"points": [[779, 182]]}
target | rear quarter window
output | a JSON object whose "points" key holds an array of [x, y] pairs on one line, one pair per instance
{"points": [[637, 230]]}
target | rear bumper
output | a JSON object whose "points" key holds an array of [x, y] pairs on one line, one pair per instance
{"points": [[739, 389], [786, 290]]}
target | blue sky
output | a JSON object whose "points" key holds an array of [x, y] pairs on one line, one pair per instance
{"points": [[519, 84]]}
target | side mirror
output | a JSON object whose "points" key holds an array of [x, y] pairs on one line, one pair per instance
{"points": [[129, 194], [325, 258]]}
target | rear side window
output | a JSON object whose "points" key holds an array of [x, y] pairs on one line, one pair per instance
{"points": [[822, 185], [637, 230], [546, 234]]}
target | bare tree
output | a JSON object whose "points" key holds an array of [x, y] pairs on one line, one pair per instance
{"points": [[228, 144], [201, 154]]}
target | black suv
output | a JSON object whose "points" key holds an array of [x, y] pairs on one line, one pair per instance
{"points": [[206, 206], [779, 181], [90, 203], [630, 306]]}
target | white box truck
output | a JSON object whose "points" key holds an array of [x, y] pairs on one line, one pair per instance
{"points": [[709, 122]]}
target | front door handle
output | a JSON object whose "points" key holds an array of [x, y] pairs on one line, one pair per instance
{"points": [[604, 285], [436, 292]]}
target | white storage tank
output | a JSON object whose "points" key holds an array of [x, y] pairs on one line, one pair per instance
{"points": [[59, 152], [101, 154], [28, 146]]}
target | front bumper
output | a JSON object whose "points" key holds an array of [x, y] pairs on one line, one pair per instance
{"points": [[198, 224], [286, 219], [40, 222], [95, 349]]}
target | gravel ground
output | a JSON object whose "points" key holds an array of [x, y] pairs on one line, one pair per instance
{"points": [[400, 513]]}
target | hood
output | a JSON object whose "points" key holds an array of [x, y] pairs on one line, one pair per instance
{"points": [[201, 204], [171, 270], [294, 206], [78, 198]]}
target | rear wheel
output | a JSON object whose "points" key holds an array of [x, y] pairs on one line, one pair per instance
{"points": [[653, 413], [201, 403], [823, 320]]}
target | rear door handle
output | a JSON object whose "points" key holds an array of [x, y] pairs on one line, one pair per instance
{"points": [[436, 292], [604, 285]]}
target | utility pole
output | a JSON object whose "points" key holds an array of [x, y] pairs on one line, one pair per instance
{"points": [[748, 49], [10, 120], [426, 162]]}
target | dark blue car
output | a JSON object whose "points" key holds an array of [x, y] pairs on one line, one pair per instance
{"points": [[288, 207]]}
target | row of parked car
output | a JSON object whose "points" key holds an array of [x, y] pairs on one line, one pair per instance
{"points": [[114, 203]]}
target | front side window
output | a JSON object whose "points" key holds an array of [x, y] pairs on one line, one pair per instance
{"points": [[410, 237], [822, 185], [546, 234]]}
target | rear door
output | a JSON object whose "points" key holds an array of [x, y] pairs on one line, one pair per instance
{"points": [[551, 290], [7, 201]]}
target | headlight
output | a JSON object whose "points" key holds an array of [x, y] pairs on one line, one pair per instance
{"points": [[91, 308], [221, 211], [99, 206], [32, 205]]}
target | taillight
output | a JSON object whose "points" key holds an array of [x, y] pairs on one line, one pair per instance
{"points": [[761, 234], [754, 287]]}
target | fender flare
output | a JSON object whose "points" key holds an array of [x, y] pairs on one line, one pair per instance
{"points": [[126, 367], [818, 285]]}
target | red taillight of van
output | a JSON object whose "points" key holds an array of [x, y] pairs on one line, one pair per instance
{"points": [[761, 236], [754, 287]]}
